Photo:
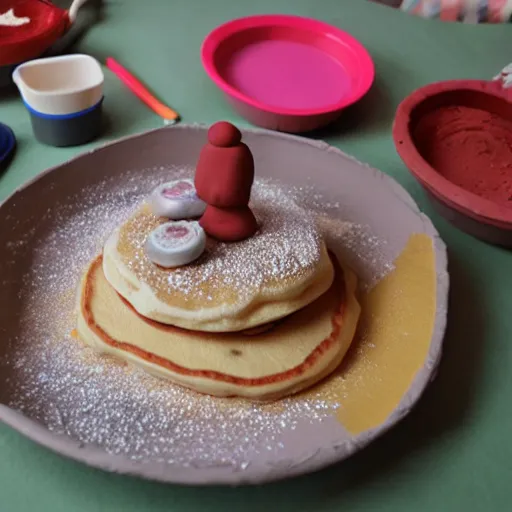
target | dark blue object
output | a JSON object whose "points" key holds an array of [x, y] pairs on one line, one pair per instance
{"points": [[67, 129], [7, 145]]}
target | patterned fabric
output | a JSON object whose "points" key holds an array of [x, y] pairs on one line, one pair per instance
{"points": [[467, 11]]}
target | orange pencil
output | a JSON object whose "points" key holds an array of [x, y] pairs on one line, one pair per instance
{"points": [[141, 91]]}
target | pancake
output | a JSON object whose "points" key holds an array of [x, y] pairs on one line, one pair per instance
{"points": [[297, 352], [232, 286]]}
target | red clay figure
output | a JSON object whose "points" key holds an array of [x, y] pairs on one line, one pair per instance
{"points": [[223, 180]]}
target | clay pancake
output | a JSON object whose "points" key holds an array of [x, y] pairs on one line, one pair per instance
{"points": [[231, 287], [299, 351]]}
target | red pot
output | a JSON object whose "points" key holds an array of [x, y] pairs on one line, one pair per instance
{"points": [[47, 23], [456, 139]]}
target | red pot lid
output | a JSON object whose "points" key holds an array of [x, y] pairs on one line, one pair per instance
{"points": [[28, 38]]}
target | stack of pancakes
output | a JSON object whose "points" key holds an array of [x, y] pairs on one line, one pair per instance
{"points": [[261, 319]]}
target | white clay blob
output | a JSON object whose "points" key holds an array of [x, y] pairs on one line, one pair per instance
{"points": [[9, 19], [174, 244], [177, 200]]}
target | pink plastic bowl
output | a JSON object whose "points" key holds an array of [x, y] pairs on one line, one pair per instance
{"points": [[287, 73]]}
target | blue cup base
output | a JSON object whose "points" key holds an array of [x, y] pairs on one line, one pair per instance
{"points": [[71, 129]]}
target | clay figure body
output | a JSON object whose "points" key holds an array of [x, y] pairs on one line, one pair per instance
{"points": [[223, 180]]}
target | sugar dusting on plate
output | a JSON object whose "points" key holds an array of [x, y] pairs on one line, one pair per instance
{"points": [[56, 380]]}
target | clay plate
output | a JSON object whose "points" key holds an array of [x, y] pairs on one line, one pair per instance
{"points": [[94, 410], [456, 139]]}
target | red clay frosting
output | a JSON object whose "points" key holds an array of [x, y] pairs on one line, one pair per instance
{"points": [[223, 180]]}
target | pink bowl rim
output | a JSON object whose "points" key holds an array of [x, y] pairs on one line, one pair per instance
{"points": [[222, 32], [467, 203]]}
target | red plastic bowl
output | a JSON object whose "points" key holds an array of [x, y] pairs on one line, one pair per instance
{"points": [[287, 73], [456, 139]]}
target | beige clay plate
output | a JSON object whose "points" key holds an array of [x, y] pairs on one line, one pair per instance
{"points": [[95, 410]]}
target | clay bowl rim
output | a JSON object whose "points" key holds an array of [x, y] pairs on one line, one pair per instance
{"points": [[222, 32], [458, 198]]}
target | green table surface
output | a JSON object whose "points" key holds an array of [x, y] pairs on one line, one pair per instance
{"points": [[454, 452]]}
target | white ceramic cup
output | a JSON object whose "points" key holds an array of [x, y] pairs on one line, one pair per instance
{"points": [[60, 85]]}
